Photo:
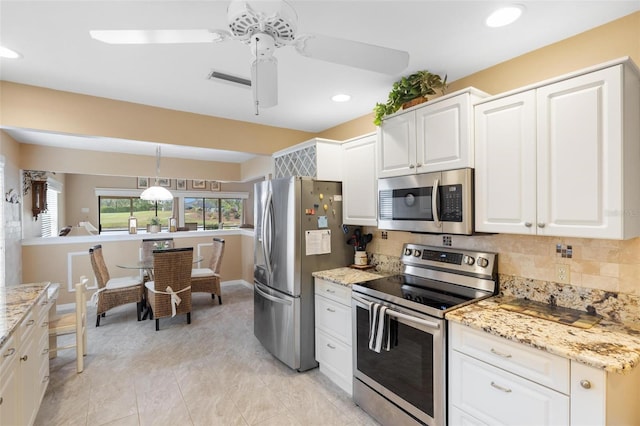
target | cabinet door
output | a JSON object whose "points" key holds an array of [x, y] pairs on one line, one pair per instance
{"points": [[9, 376], [29, 382], [443, 135], [580, 156], [397, 147], [505, 159], [359, 184]]}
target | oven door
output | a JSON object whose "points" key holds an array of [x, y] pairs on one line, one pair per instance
{"points": [[412, 374]]}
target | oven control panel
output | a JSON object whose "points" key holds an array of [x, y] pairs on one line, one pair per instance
{"points": [[449, 258]]}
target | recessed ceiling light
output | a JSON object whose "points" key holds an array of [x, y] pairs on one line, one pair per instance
{"points": [[504, 16], [340, 97], [5, 52]]}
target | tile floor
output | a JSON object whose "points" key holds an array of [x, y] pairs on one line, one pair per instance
{"points": [[211, 372]]}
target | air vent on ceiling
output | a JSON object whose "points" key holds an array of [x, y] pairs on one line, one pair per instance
{"points": [[234, 79]]}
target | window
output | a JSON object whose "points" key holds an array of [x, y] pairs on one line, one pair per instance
{"points": [[116, 211], [213, 213], [49, 219]]}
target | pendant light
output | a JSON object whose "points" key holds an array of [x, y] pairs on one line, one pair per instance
{"points": [[156, 192]]}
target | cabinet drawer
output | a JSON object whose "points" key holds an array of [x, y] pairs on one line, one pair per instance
{"points": [[9, 351], [334, 319], [337, 292], [334, 354], [496, 397], [533, 364], [28, 325]]}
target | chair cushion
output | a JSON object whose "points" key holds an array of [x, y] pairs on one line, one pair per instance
{"points": [[121, 282], [202, 272]]}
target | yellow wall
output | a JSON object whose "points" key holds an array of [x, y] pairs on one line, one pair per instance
{"points": [[38, 108]]}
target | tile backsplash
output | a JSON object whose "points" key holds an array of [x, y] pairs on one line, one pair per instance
{"points": [[607, 265]]}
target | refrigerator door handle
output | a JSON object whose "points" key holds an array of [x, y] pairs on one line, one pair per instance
{"points": [[267, 233], [270, 297]]}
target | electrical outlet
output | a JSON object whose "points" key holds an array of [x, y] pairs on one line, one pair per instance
{"points": [[563, 273]]}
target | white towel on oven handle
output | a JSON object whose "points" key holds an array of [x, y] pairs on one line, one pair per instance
{"points": [[379, 328]]}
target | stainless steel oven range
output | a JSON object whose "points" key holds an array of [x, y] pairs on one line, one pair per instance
{"points": [[403, 379]]}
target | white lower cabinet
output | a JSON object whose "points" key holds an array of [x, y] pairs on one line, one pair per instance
{"points": [[493, 381], [24, 367], [333, 332]]}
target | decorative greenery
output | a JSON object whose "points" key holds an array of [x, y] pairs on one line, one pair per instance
{"points": [[421, 83], [154, 221]]}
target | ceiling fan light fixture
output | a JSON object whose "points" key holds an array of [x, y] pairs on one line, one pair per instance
{"points": [[5, 52], [341, 97], [504, 16]]}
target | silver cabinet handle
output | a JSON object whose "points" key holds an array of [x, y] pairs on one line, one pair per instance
{"points": [[1, 400], [502, 354], [541, 224], [419, 165], [528, 224], [503, 389], [585, 384], [411, 166], [45, 324], [330, 291], [10, 352], [30, 323], [45, 351], [24, 358], [45, 379], [331, 310], [330, 346]]}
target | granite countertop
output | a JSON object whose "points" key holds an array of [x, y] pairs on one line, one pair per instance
{"points": [[15, 303], [348, 276], [607, 345]]}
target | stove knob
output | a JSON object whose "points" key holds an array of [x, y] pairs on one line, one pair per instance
{"points": [[482, 262], [407, 252], [468, 260], [416, 253]]}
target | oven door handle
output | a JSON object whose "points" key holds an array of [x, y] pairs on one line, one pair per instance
{"points": [[400, 315]]}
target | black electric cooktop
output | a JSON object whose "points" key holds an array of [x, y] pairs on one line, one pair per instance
{"points": [[421, 294]]}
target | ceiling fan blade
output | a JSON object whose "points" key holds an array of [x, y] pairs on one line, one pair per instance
{"points": [[158, 36], [352, 53], [264, 82]]}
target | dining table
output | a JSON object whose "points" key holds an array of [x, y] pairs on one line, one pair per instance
{"points": [[147, 266]]}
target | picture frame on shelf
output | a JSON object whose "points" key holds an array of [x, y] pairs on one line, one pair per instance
{"points": [[164, 182], [143, 182], [198, 184], [215, 185], [181, 184]]}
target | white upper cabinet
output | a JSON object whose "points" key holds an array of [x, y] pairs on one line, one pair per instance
{"points": [[359, 181], [562, 159], [434, 136], [317, 158]]}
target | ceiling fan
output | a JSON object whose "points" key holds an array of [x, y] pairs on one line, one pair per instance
{"points": [[266, 26]]}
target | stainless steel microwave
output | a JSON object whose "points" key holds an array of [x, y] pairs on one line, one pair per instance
{"points": [[440, 202]]}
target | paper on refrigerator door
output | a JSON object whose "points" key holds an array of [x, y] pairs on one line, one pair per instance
{"points": [[318, 242]]}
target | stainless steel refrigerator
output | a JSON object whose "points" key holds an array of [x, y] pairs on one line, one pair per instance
{"points": [[298, 230]]}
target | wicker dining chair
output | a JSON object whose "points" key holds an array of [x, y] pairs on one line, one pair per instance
{"points": [[169, 294], [113, 292], [207, 280], [146, 252]]}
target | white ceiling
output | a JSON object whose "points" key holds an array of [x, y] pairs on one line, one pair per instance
{"points": [[445, 37]]}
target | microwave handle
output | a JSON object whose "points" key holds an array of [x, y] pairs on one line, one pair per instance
{"points": [[435, 201]]}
